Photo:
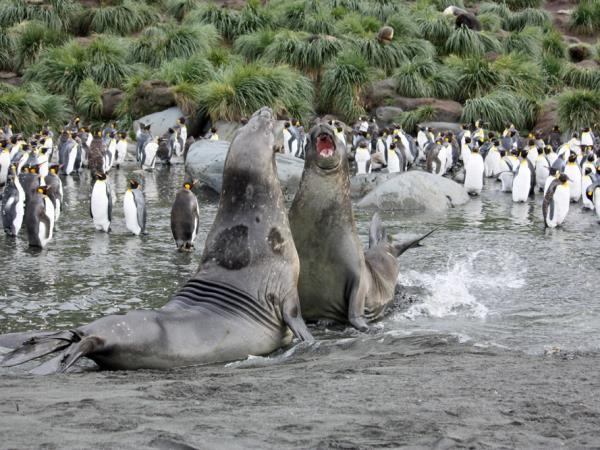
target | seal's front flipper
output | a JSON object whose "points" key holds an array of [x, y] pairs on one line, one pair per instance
{"points": [[356, 305], [359, 323], [401, 247], [293, 319]]}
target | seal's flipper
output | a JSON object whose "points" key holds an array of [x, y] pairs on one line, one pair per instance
{"points": [[293, 319], [39, 346], [356, 305], [377, 232], [86, 346], [401, 247]]}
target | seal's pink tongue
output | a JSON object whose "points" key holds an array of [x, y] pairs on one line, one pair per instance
{"points": [[325, 146]]}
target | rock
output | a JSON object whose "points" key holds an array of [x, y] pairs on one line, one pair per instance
{"points": [[548, 117], [415, 191], [443, 126], [160, 121], [587, 64], [387, 114], [11, 78], [152, 96], [110, 100], [206, 159], [380, 93]]}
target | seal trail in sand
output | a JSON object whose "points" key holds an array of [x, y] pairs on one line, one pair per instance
{"points": [[338, 280], [242, 300]]}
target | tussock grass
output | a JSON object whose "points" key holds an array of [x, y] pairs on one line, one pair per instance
{"points": [[585, 18], [125, 17], [496, 108], [89, 99], [578, 108], [409, 120], [464, 42]]}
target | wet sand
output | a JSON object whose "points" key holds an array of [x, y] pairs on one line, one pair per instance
{"points": [[360, 392]]}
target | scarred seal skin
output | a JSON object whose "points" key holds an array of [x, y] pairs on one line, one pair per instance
{"points": [[243, 300], [339, 280]]}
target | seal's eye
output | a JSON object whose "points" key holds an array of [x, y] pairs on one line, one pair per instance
{"points": [[325, 146]]}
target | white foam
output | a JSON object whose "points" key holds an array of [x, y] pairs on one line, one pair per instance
{"points": [[461, 289]]}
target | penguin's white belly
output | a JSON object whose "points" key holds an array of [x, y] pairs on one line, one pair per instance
{"points": [[552, 157], [121, 152], [548, 183], [130, 209], [362, 158], [521, 185], [574, 174], [100, 207], [561, 206], [474, 169], [491, 163], [506, 178], [443, 157], [585, 183], [596, 198], [71, 160], [465, 153], [150, 152], [4, 166], [541, 173], [393, 162]]}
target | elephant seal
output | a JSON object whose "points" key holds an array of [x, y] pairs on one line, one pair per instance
{"points": [[338, 280], [242, 300]]}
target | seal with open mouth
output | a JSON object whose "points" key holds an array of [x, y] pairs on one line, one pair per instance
{"points": [[338, 280]]}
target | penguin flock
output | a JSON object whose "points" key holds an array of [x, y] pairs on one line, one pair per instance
{"points": [[562, 171], [32, 172]]}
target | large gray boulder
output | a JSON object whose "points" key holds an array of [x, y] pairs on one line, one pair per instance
{"points": [[160, 121], [415, 191], [206, 159]]}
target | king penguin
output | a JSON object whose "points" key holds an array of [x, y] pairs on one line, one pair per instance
{"points": [[593, 194], [4, 163], [556, 202], [134, 206], [474, 171], [573, 172], [101, 203], [542, 170], [52, 180], [39, 218], [185, 218], [121, 150], [522, 180], [148, 155], [586, 181], [13, 204]]}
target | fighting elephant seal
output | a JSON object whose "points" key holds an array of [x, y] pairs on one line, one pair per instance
{"points": [[338, 280], [242, 300]]}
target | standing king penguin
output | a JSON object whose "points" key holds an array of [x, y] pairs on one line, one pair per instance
{"points": [[556, 202], [101, 203], [134, 206], [185, 218], [39, 218], [474, 172], [13, 204]]}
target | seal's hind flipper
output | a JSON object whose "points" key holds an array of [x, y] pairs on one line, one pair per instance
{"points": [[39, 346], [377, 232], [401, 247], [75, 351]]}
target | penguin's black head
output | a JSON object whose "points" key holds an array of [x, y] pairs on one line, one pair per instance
{"points": [[587, 171], [547, 149], [523, 154], [514, 152], [553, 171], [34, 169], [467, 140], [531, 142], [502, 152], [572, 157], [496, 142], [556, 128], [513, 133], [324, 149], [134, 184], [42, 190], [590, 157], [563, 178], [575, 135], [181, 120], [100, 176], [53, 169]]}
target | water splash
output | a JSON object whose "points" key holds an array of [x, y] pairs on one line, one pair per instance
{"points": [[461, 288]]}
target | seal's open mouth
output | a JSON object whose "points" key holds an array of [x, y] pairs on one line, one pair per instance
{"points": [[325, 146]]}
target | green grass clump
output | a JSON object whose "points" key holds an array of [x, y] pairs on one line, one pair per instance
{"points": [[89, 99], [554, 44], [125, 17], [106, 59], [412, 78], [585, 18], [525, 18], [578, 108], [404, 25], [7, 50], [576, 77], [521, 74], [527, 41], [475, 76], [179, 8], [358, 25], [410, 120], [497, 108], [164, 42], [522, 4], [342, 86], [55, 14], [196, 69], [464, 42], [435, 28], [32, 38], [252, 46], [239, 90], [307, 53], [28, 107]]}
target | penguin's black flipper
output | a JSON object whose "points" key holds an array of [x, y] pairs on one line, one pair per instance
{"points": [[140, 206], [110, 205], [39, 346], [548, 203]]}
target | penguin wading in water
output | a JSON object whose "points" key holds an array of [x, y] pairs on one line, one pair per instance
{"points": [[474, 172], [101, 203], [586, 181], [39, 218], [593, 195], [573, 171], [522, 181], [52, 180], [13, 204], [556, 202], [185, 218], [134, 206]]}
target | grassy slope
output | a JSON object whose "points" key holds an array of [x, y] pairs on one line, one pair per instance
{"points": [[302, 57]]}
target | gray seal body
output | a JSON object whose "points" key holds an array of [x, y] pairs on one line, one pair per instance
{"points": [[243, 300], [338, 279]]}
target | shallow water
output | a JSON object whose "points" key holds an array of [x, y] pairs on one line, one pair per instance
{"points": [[490, 275]]}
